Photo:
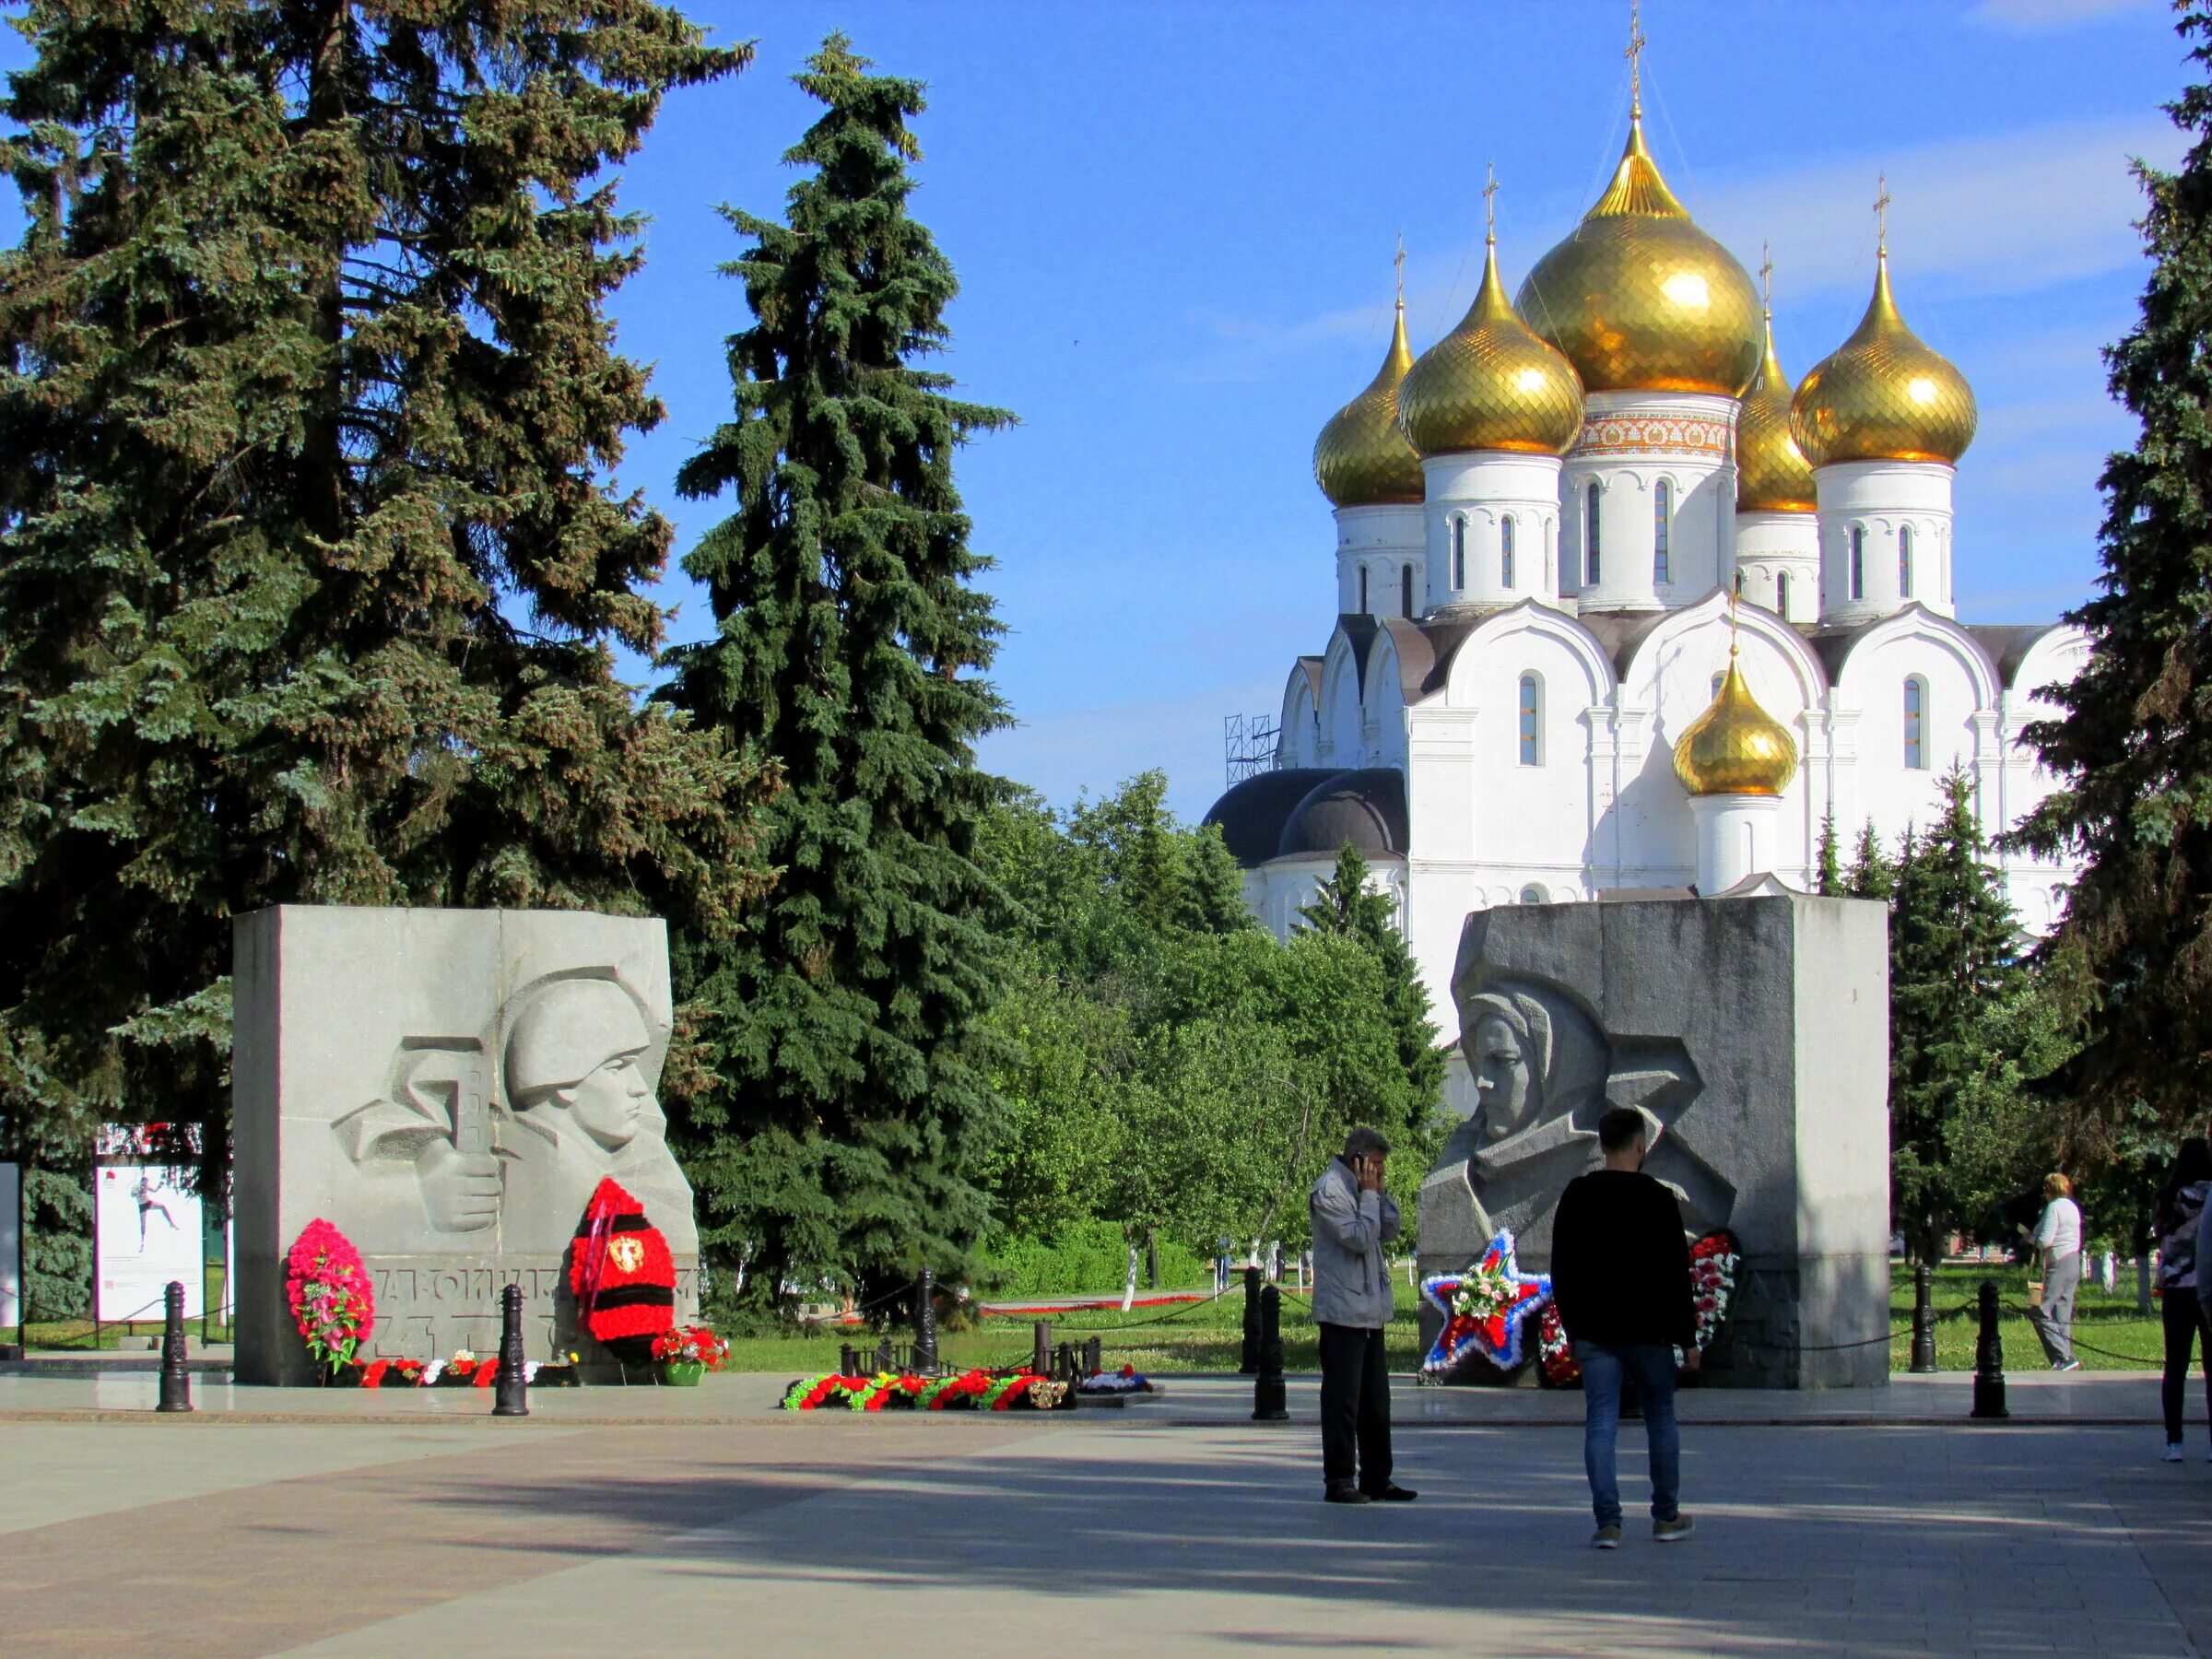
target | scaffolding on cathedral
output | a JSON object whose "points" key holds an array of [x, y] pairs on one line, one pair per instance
{"points": [[1248, 742]]}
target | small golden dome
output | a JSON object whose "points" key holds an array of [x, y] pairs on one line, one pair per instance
{"points": [[1492, 385], [1640, 299], [1772, 473], [1882, 396], [1735, 747], [1361, 459]]}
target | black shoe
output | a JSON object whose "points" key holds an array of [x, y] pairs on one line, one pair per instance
{"points": [[1344, 1491], [1393, 1494]]}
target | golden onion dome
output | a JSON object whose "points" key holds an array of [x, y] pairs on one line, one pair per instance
{"points": [[1640, 299], [1492, 385], [1361, 459], [1772, 473], [1735, 747], [1882, 396]]}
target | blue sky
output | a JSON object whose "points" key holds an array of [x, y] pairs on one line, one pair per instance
{"points": [[1173, 225]]}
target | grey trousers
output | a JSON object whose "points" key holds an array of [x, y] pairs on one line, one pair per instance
{"points": [[2054, 1319]]}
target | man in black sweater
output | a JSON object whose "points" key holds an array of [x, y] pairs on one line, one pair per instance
{"points": [[1620, 1274]]}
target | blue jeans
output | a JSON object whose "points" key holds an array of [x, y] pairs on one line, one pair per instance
{"points": [[1652, 1366]]}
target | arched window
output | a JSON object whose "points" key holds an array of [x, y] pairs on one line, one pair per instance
{"points": [[1662, 516], [1904, 561], [1716, 683], [1459, 554], [1364, 606], [1781, 595], [1533, 894], [1531, 720], [1590, 537], [1405, 591], [1858, 561], [1505, 549], [1916, 709]]}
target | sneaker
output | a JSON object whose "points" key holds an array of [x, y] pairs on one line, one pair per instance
{"points": [[1344, 1492], [2172, 1452], [2067, 1366], [1606, 1537], [1675, 1531]]}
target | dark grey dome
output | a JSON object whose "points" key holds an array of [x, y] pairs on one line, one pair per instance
{"points": [[1366, 809], [1252, 813]]}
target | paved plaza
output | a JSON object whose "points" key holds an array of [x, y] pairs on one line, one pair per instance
{"points": [[411, 1522]]}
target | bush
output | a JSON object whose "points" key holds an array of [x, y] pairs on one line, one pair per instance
{"points": [[1081, 1258]]}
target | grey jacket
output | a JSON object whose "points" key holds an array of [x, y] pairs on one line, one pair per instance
{"points": [[1352, 1281]]}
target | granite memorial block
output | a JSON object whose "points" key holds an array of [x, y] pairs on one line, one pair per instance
{"points": [[1753, 1034], [447, 1088]]}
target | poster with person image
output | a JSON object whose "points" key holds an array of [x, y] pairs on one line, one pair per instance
{"points": [[147, 1230]]}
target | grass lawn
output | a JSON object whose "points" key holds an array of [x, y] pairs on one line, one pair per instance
{"points": [[1207, 1338]]}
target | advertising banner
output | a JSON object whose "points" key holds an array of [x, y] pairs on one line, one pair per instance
{"points": [[146, 1230]]}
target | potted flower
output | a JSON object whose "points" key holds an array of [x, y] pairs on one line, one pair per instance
{"points": [[686, 1353]]}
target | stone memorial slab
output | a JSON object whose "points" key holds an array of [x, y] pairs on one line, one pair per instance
{"points": [[447, 1088], [1753, 1033]]}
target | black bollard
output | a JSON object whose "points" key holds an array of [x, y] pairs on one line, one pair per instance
{"points": [[926, 1321], [1923, 1319], [1040, 1347], [886, 1360], [511, 1388], [1248, 1363], [1064, 1363], [1989, 1360], [1094, 1354], [848, 1360], [1270, 1396], [176, 1382]]}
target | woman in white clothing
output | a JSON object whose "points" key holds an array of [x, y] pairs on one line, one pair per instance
{"points": [[2058, 1236]]}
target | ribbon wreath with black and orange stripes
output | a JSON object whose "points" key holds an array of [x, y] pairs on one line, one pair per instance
{"points": [[621, 1269]]}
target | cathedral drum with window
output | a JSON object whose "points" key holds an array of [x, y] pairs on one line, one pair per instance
{"points": [[1619, 608]]}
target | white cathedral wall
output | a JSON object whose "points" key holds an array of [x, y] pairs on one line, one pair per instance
{"points": [[1632, 443], [1470, 499], [1879, 498], [1770, 545], [1381, 541], [2036, 885], [1957, 727]]}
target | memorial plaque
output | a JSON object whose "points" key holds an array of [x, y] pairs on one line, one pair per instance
{"points": [[447, 1089]]}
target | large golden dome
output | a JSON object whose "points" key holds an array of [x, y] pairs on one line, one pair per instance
{"points": [[1772, 473], [1883, 396], [1735, 747], [1640, 299], [1492, 385], [1361, 459]]}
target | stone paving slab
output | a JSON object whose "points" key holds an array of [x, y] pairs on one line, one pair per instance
{"points": [[1015, 1536], [2080, 1398]]}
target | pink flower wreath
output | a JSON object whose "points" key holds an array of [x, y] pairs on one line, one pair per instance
{"points": [[328, 1287]]}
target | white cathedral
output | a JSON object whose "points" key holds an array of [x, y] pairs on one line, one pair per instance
{"points": [[1540, 688]]}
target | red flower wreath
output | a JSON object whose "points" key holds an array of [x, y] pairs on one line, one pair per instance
{"points": [[333, 1302], [620, 1270]]}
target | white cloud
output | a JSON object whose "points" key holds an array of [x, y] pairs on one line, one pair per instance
{"points": [[1999, 214], [2040, 17]]}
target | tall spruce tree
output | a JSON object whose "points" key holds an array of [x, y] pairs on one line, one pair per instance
{"points": [[2134, 747], [1348, 905], [845, 1026], [1954, 989], [310, 574]]}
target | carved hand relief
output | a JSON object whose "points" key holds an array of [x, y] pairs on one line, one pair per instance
{"points": [[1544, 1072], [516, 1149]]}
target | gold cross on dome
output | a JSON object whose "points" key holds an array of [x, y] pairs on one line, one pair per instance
{"points": [[1400, 263], [1635, 57], [1881, 215], [1766, 278], [1490, 202]]}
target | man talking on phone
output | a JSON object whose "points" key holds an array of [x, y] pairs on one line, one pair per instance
{"points": [[1353, 1219]]}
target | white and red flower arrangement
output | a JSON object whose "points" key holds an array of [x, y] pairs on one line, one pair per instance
{"points": [[1128, 1380], [691, 1344], [1713, 1261], [1486, 1309], [968, 1391], [332, 1299]]}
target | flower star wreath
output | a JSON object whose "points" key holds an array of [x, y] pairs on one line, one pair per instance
{"points": [[1487, 1310]]}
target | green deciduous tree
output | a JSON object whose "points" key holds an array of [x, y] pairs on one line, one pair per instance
{"points": [[843, 1029], [2134, 746], [310, 574]]}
